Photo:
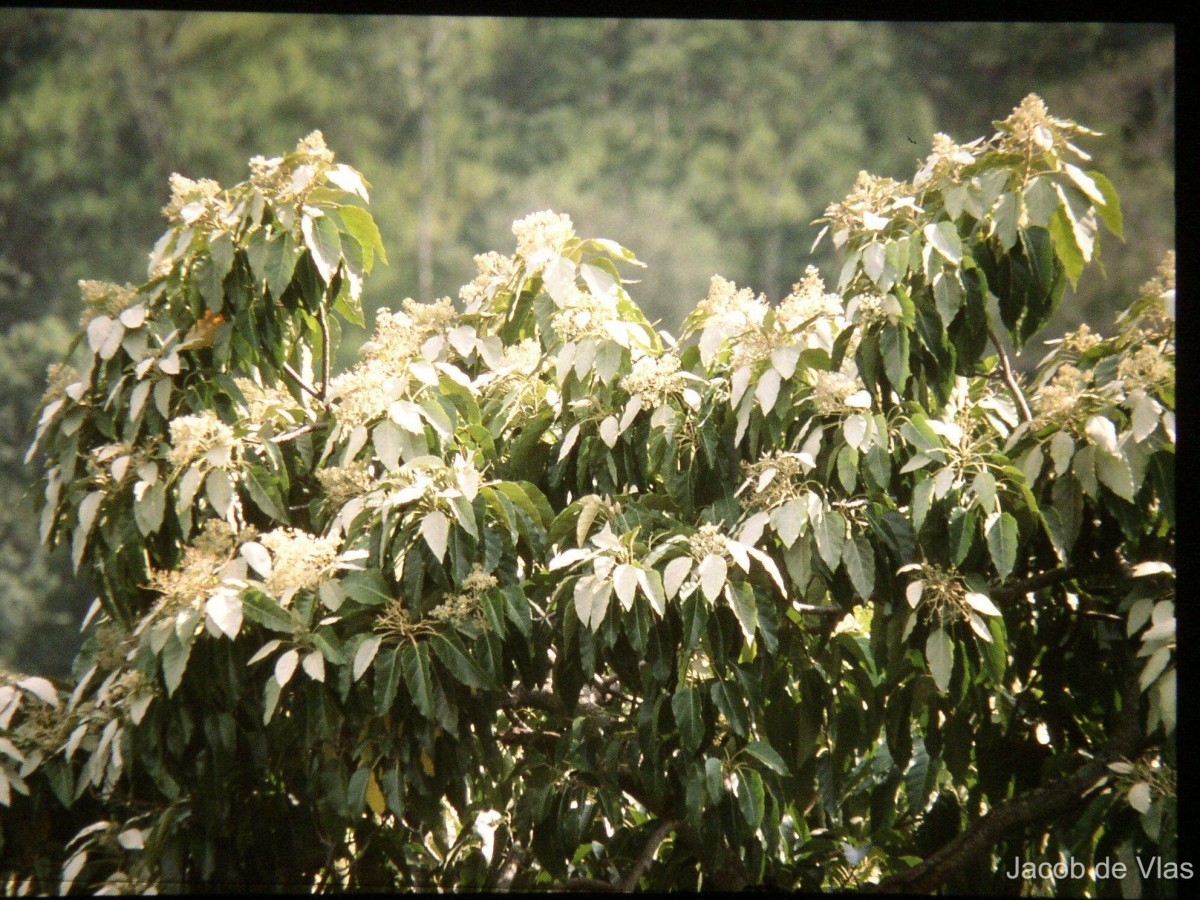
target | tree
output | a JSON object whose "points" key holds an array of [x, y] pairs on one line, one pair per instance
{"points": [[821, 595]]}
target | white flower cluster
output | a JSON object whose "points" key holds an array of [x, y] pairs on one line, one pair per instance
{"points": [[836, 393], [776, 477], [293, 176], [105, 298], [873, 309], [192, 199], [203, 568], [300, 560], [811, 312], [1030, 128], [870, 206], [736, 310], [583, 314], [945, 162], [342, 483], [708, 541], [494, 271], [202, 433], [523, 357], [1065, 399], [381, 376], [262, 402], [541, 236], [656, 378]]}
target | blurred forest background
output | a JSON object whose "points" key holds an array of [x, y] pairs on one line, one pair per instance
{"points": [[705, 146]]}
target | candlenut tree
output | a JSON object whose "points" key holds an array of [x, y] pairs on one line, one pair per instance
{"points": [[822, 594]]}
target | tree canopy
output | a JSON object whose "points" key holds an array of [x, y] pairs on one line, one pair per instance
{"points": [[818, 594], [710, 146]]}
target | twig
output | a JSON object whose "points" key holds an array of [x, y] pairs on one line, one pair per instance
{"points": [[1009, 378], [324, 323], [295, 433], [630, 881], [304, 385]]}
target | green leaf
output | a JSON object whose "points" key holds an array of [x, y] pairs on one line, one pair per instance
{"points": [[325, 640], [1115, 474], [859, 559], [962, 534], [847, 468], [259, 486], [944, 238], [361, 226], [894, 347], [462, 667], [921, 500], [768, 756], [939, 654], [995, 654], [148, 511], [686, 705], [282, 254], [321, 237], [356, 792], [712, 570], [387, 679], [260, 608], [414, 663], [175, 655], [1063, 235], [745, 610], [730, 704], [1005, 218], [714, 779], [1110, 210], [751, 797], [1002, 538], [830, 533], [368, 587]]}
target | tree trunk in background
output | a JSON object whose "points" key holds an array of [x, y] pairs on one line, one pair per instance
{"points": [[428, 157]]}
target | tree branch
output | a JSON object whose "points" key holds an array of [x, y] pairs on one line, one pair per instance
{"points": [[304, 385], [1010, 378], [587, 884], [1040, 805], [1013, 589], [550, 702], [522, 737], [296, 432], [324, 323], [807, 609], [630, 881]]}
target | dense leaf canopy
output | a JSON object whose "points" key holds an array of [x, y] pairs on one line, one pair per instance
{"points": [[817, 595]]}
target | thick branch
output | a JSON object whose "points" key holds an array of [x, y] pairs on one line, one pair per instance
{"points": [[807, 609], [546, 741], [630, 881], [1031, 808], [587, 884], [550, 702], [1010, 378], [1013, 589]]}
